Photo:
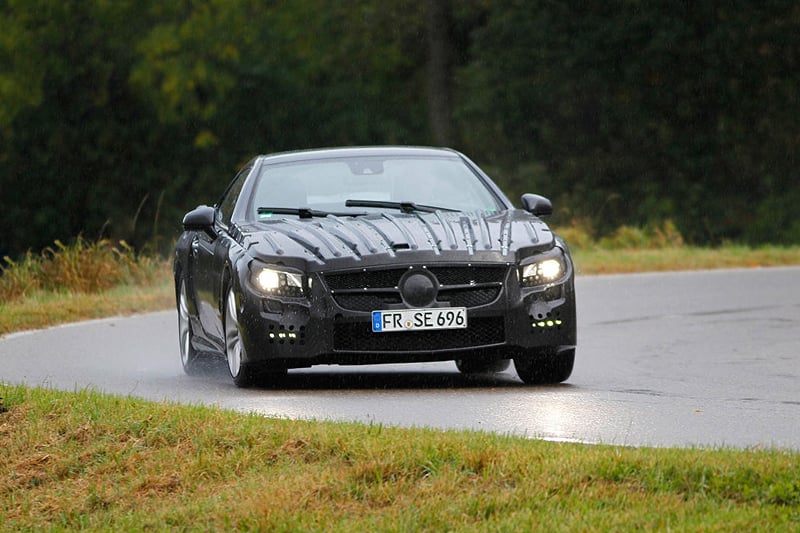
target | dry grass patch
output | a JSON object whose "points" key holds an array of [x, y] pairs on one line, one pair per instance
{"points": [[81, 267], [67, 283], [42, 308], [618, 261]]}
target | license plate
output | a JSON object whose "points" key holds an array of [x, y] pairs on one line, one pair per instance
{"points": [[419, 319]]}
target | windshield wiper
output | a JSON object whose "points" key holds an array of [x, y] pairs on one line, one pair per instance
{"points": [[405, 207], [304, 212]]}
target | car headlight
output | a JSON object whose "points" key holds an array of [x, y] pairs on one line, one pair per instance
{"points": [[272, 281], [543, 272]]}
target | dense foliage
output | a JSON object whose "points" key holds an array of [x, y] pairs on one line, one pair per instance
{"points": [[117, 117]]}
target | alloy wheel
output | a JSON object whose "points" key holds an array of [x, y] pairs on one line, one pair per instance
{"points": [[233, 341]]}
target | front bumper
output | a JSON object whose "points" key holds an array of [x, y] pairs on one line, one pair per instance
{"points": [[333, 325]]}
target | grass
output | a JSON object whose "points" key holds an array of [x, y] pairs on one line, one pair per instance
{"points": [[80, 281], [46, 308], [597, 260], [662, 248], [88, 461], [81, 267]]}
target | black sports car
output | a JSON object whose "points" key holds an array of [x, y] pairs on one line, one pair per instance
{"points": [[373, 255]]}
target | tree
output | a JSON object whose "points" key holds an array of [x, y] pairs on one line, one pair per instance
{"points": [[641, 112], [75, 152], [117, 117]]}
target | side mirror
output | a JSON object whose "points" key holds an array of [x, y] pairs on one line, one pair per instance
{"points": [[200, 218], [537, 205]]}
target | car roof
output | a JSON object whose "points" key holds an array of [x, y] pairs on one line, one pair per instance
{"points": [[357, 151]]}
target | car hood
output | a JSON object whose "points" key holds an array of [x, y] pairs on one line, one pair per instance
{"points": [[335, 242]]}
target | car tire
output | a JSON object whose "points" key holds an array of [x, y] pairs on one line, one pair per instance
{"points": [[482, 366], [191, 359], [243, 374], [548, 366]]}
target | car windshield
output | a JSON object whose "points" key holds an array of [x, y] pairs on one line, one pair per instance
{"points": [[373, 183]]}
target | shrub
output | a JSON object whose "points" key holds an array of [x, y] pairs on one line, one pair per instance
{"points": [[650, 237], [19, 278], [81, 267], [578, 234]]}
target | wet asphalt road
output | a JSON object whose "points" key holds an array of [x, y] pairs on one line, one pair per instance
{"points": [[677, 359]]}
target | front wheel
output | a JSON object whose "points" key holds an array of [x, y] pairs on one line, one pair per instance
{"points": [[243, 374], [547, 366]]}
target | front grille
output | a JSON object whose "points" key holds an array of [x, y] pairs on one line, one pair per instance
{"points": [[469, 297], [470, 275], [370, 279], [366, 301], [459, 286], [358, 337]]}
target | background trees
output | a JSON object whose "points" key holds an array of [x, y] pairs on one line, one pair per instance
{"points": [[117, 117]]}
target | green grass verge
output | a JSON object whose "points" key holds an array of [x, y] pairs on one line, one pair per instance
{"points": [[93, 462], [43, 308], [78, 281], [596, 260]]}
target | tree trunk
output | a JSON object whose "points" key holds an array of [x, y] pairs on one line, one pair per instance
{"points": [[440, 76]]}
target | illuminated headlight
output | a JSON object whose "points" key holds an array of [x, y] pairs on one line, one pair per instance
{"points": [[542, 272], [268, 280]]}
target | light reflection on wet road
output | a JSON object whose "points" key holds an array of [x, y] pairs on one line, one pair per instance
{"points": [[681, 359]]}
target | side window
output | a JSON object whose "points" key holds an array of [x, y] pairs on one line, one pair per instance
{"points": [[228, 202]]}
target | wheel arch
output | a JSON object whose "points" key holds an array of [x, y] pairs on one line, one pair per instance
{"points": [[177, 274], [226, 282]]}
